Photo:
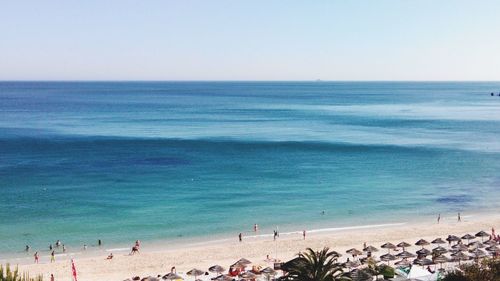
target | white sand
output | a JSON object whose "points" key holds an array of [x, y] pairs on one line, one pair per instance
{"points": [[202, 256]]}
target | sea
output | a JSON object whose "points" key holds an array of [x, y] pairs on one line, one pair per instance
{"points": [[173, 162]]}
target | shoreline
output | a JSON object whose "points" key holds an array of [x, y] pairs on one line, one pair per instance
{"points": [[155, 260]]}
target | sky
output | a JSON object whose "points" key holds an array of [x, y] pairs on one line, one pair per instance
{"points": [[250, 40]]}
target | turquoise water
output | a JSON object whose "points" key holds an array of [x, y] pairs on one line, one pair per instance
{"points": [[173, 161]]}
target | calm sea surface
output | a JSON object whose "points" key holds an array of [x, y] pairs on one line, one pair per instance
{"points": [[181, 160]]}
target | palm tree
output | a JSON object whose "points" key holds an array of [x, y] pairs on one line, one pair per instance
{"points": [[315, 266]]}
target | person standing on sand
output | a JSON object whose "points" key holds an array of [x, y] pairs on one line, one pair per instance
{"points": [[459, 218], [99, 243], [53, 256], [36, 257], [439, 218], [52, 277], [240, 237], [304, 234]]}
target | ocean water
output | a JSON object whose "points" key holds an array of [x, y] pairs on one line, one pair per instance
{"points": [[174, 161]]}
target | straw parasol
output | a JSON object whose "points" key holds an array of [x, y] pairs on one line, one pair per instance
{"points": [[478, 253], [440, 250], [244, 261], [172, 276], [422, 242], [387, 258], [389, 246], [402, 262], [453, 238], [490, 243], [460, 247], [268, 272], [352, 264], [441, 260], [248, 275], [223, 278], [476, 244], [354, 252], [195, 272], [405, 255], [370, 249], [438, 241], [216, 269], [468, 237], [423, 262], [482, 234], [460, 256], [403, 245], [493, 249], [423, 252]]}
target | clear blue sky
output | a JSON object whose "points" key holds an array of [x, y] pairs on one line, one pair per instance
{"points": [[250, 40]]}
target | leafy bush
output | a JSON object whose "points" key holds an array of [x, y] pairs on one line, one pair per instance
{"points": [[486, 270]]}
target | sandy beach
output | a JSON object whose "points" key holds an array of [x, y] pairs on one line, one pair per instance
{"points": [[202, 255]]}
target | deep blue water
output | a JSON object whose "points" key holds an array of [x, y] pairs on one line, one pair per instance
{"points": [[122, 161]]}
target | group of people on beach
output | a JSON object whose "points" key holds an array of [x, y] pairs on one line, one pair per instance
{"points": [[459, 218], [52, 249], [276, 233]]}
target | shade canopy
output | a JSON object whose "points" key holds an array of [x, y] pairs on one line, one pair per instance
{"points": [[403, 245], [195, 272], [460, 247], [453, 238], [423, 252], [354, 252], [440, 250], [441, 259], [248, 275], [370, 249], [482, 234], [388, 245], [438, 241], [268, 271], [405, 255], [422, 242], [216, 268], [423, 262], [468, 237], [172, 276], [387, 257]]}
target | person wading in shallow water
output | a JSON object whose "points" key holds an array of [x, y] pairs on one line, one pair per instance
{"points": [[240, 237]]}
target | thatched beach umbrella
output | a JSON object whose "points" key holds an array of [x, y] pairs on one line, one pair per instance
{"points": [[389, 246], [405, 255], [490, 243], [422, 242], [468, 237], [354, 252], [172, 276], [460, 256], [438, 241], [268, 272], [248, 275], [423, 262], [478, 253], [352, 264], [216, 269], [460, 247], [482, 234], [439, 250], [423, 252], [223, 278], [370, 249], [441, 260], [387, 258], [195, 272], [403, 245], [244, 261], [475, 245], [403, 262], [453, 238]]}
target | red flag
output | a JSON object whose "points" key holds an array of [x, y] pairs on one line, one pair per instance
{"points": [[73, 268]]}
